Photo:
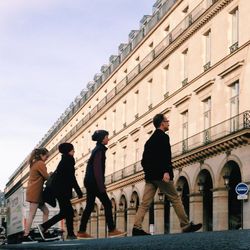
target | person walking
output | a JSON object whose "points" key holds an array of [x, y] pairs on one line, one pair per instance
{"points": [[94, 183], [37, 176], [157, 166], [64, 181]]}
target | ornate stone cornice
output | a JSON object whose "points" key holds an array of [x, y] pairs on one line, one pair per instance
{"points": [[206, 151], [231, 68], [204, 86], [182, 100]]}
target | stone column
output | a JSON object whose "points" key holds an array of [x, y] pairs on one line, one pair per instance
{"points": [[220, 209], [120, 220], [93, 230], [246, 214], [131, 219], [159, 217], [196, 208], [101, 225]]}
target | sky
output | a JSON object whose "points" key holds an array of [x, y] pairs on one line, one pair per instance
{"points": [[49, 51]]}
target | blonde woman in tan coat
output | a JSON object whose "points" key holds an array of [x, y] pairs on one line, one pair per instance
{"points": [[38, 175]]}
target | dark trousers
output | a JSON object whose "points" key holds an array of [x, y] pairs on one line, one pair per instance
{"points": [[103, 197], [66, 212]]}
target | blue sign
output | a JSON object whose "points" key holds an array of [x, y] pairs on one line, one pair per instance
{"points": [[242, 189]]}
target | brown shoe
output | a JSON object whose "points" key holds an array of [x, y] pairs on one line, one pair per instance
{"points": [[84, 235], [116, 233], [191, 227]]}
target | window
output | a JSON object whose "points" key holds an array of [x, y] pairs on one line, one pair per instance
{"points": [[185, 130], [234, 106], [114, 161], [137, 157], [185, 67], [124, 113], [235, 25], [114, 120], [136, 104], [165, 81], [124, 156], [234, 30], [207, 119], [105, 122], [150, 93], [207, 37]]}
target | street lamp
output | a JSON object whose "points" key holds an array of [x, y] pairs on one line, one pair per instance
{"points": [[121, 206], [101, 210], [201, 186], [160, 194], [132, 203], [179, 190], [226, 178]]}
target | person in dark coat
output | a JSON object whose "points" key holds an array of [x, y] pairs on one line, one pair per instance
{"points": [[158, 170], [64, 182], [94, 183]]}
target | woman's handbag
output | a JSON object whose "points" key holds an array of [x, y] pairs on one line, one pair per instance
{"points": [[48, 192]]}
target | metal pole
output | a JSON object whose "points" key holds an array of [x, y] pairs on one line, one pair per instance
{"points": [[242, 202]]}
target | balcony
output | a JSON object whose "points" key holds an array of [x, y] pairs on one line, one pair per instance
{"points": [[234, 47], [207, 66], [184, 82], [229, 134], [123, 173]]}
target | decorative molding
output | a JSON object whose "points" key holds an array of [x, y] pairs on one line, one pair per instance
{"points": [[123, 138], [166, 110], [204, 86], [231, 68], [145, 124], [134, 131], [183, 99], [112, 145]]}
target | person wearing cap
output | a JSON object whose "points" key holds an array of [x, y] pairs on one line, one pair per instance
{"points": [[95, 186], [64, 182]]}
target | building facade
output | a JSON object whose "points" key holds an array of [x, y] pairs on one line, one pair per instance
{"points": [[2, 210], [190, 60]]}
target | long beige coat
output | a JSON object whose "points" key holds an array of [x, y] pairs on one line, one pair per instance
{"points": [[38, 174]]}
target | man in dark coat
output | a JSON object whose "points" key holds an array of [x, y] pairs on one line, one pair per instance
{"points": [[157, 166], [64, 181]]}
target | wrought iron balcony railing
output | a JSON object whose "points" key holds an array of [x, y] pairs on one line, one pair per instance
{"points": [[227, 127]]}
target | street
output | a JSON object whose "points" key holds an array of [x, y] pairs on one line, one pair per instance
{"points": [[223, 240]]}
